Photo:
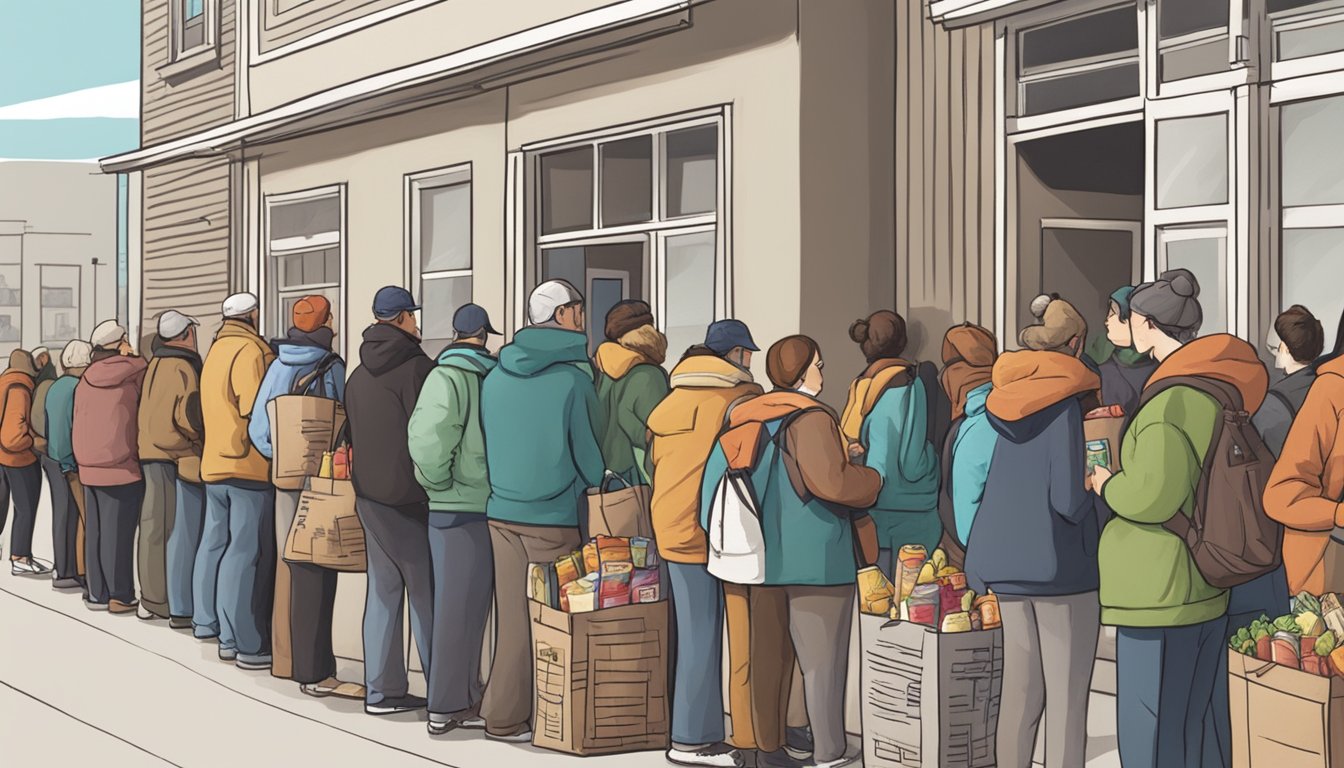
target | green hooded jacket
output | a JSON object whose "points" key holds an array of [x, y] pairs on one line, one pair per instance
{"points": [[445, 436], [629, 387]]}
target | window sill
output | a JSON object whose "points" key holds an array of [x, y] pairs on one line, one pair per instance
{"points": [[190, 63]]}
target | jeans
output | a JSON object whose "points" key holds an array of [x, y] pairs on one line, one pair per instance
{"points": [[396, 540], [234, 578], [156, 523], [183, 541], [1165, 677], [697, 691], [464, 587], [112, 513], [25, 485], [64, 520]]}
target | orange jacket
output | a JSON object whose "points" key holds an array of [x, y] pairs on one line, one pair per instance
{"points": [[16, 436], [1307, 482]]}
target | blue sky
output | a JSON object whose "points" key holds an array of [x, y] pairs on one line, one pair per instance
{"points": [[55, 47]]}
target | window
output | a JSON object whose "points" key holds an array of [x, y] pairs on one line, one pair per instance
{"points": [[11, 293], [1192, 161], [1312, 192], [304, 252], [1079, 61], [193, 22], [1203, 251], [441, 251], [1192, 38], [60, 291], [636, 216], [1305, 28]]}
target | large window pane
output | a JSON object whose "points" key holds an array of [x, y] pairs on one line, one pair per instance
{"points": [[1095, 86], [690, 291], [1310, 41], [1110, 33], [1313, 260], [1313, 163], [310, 268], [305, 218], [445, 228], [1192, 161], [1206, 258], [692, 171], [567, 190], [627, 181], [441, 297], [1177, 18]]}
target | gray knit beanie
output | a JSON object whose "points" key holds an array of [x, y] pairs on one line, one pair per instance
{"points": [[1172, 302]]}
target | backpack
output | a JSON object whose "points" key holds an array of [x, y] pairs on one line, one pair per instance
{"points": [[1230, 538], [315, 381]]}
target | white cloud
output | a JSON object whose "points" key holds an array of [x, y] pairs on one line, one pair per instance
{"points": [[121, 100]]}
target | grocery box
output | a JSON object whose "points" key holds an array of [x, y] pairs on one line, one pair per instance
{"points": [[601, 679], [928, 699], [1282, 716]]}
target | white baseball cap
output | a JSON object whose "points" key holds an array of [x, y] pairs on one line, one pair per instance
{"points": [[239, 304], [548, 297], [173, 324], [77, 354], [107, 334]]}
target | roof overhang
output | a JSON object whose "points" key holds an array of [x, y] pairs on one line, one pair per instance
{"points": [[457, 75], [961, 13]]}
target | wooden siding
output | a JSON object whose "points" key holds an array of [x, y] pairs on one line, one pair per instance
{"points": [[944, 212], [195, 100], [186, 241], [285, 21]]}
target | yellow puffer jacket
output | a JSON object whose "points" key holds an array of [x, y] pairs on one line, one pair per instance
{"points": [[229, 383]]}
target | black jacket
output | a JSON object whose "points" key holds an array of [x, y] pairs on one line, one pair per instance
{"points": [[379, 399]]}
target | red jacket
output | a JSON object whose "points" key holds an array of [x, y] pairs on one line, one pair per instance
{"points": [[16, 438], [106, 431]]}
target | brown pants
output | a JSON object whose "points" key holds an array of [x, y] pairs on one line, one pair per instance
{"points": [[507, 707], [282, 654], [744, 703], [78, 491]]}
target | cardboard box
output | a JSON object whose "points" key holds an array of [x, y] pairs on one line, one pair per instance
{"points": [[302, 429], [326, 530], [601, 679], [928, 699], [1103, 435], [1283, 716]]}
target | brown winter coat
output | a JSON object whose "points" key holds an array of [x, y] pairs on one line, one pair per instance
{"points": [[106, 429], [170, 412], [16, 438], [229, 384]]}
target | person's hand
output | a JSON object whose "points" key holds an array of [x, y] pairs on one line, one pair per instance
{"points": [[856, 451], [1099, 477]]}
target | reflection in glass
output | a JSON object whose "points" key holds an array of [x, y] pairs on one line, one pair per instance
{"points": [[1192, 161]]}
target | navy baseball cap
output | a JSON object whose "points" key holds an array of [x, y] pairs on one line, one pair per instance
{"points": [[723, 335], [471, 320], [392, 300]]}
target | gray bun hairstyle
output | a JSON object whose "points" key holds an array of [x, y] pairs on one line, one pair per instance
{"points": [[1172, 303]]}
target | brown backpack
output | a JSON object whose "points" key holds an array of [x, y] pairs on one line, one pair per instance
{"points": [[1230, 538]]}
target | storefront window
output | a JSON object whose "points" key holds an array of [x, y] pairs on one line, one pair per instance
{"points": [[1313, 165], [627, 181], [304, 251], [1303, 28], [692, 171], [1192, 161], [690, 308], [1203, 252], [442, 264], [567, 190], [1192, 38], [1079, 61]]}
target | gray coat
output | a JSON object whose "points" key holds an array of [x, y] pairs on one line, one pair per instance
{"points": [[1282, 403]]}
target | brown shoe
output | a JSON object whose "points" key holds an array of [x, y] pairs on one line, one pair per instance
{"points": [[116, 606]]}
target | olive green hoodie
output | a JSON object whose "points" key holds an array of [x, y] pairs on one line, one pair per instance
{"points": [[630, 384], [444, 434]]}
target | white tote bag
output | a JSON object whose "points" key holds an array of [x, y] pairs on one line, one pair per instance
{"points": [[736, 539]]}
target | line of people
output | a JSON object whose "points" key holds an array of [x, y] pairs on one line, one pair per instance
{"points": [[470, 466]]}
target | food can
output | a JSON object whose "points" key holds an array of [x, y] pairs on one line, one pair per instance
{"points": [[988, 605], [1285, 650], [911, 558], [923, 605]]}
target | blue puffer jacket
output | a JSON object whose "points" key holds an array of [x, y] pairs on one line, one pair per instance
{"points": [[293, 362]]}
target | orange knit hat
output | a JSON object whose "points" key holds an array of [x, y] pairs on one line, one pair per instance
{"points": [[311, 313]]}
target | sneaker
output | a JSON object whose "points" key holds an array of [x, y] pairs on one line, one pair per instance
{"points": [[69, 582], [320, 690], [227, 654], [118, 607], [92, 606], [441, 724], [838, 762], [520, 736], [778, 759], [179, 622], [29, 566], [147, 615], [713, 754], [392, 706], [798, 742], [252, 663]]}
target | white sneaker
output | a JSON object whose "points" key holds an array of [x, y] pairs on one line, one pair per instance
{"points": [[721, 755], [838, 763], [29, 566]]}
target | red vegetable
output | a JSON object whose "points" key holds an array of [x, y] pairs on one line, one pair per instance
{"points": [[1263, 646]]}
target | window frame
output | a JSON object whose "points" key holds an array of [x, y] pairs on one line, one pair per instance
{"points": [[272, 316], [1238, 71], [1331, 11], [178, 52], [415, 183], [76, 307]]}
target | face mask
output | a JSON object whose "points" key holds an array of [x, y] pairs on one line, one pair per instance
{"points": [[806, 391]]}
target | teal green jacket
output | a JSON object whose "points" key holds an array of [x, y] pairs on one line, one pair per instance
{"points": [[1148, 578], [896, 441], [61, 421], [446, 441], [541, 419], [629, 387]]}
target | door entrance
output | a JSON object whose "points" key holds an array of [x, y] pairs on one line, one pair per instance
{"points": [[1084, 261], [606, 272]]}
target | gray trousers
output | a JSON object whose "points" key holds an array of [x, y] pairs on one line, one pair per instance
{"points": [[111, 514], [396, 540], [64, 519], [156, 522], [464, 587], [1049, 644]]}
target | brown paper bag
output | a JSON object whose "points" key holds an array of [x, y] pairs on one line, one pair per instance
{"points": [[326, 531], [619, 512], [302, 429], [1102, 442]]}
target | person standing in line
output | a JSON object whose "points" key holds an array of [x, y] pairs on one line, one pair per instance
{"points": [[447, 445], [233, 579], [393, 508], [630, 383], [19, 462], [1035, 537], [705, 387], [1124, 373], [886, 425], [64, 573], [67, 517], [171, 434], [541, 417], [105, 437], [46, 369], [1171, 637], [807, 487], [305, 594], [969, 353], [1301, 339]]}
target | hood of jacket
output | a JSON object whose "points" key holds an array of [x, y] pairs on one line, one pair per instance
{"points": [[1223, 357], [976, 399], [385, 347], [469, 358], [300, 355], [746, 423], [12, 377], [708, 372], [535, 349], [1030, 381], [616, 361], [193, 359], [969, 353], [867, 389], [113, 372]]}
